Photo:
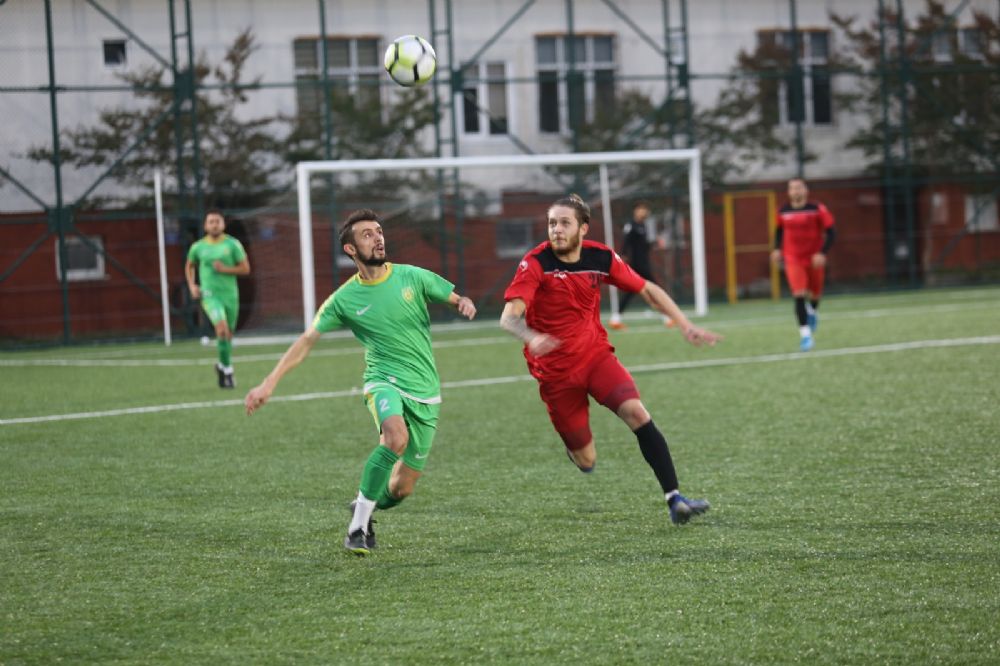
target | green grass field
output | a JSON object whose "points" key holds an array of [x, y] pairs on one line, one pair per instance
{"points": [[855, 491]]}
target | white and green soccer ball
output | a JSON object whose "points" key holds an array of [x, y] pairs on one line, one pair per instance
{"points": [[410, 61]]}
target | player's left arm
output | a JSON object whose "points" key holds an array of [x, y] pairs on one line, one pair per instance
{"points": [[660, 301], [829, 234], [464, 304], [242, 268]]}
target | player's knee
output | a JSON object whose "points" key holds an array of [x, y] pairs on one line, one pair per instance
{"points": [[394, 435], [575, 438], [402, 487], [584, 458], [633, 413]]}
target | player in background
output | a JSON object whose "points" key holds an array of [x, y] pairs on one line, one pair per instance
{"points": [[802, 239], [219, 258], [635, 247], [553, 306], [385, 306]]}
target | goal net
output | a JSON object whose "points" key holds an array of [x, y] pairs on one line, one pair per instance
{"points": [[471, 219]]}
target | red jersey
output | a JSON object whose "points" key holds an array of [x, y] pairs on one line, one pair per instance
{"points": [[803, 230], [564, 301]]}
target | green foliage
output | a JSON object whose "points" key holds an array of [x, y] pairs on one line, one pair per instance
{"points": [[855, 506], [244, 161], [363, 127], [949, 102], [239, 157]]}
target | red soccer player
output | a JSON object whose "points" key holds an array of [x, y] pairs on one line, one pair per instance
{"points": [[802, 240], [553, 306]]}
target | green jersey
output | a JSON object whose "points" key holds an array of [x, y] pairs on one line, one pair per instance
{"points": [[205, 252], [389, 316]]}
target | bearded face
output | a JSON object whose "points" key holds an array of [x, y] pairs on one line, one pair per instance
{"points": [[369, 244], [565, 231]]}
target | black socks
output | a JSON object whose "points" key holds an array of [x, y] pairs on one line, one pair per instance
{"points": [[800, 310], [654, 449]]}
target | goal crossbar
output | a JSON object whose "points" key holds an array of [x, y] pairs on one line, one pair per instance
{"points": [[691, 156]]}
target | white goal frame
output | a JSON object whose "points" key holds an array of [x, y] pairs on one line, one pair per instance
{"points": [[691, 156]]}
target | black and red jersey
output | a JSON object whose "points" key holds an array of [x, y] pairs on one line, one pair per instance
{"points": [[803, 230], [564, 301]]}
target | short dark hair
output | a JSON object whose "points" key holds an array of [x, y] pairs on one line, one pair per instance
{"points": [[641, 203], [214, 211], [360, 215], [798, 178], [576, 203]]}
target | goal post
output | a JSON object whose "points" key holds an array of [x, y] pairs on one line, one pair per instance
{"points": [[691, 157]]}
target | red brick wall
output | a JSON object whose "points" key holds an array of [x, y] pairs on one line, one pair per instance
{"points": [[31, 296]]}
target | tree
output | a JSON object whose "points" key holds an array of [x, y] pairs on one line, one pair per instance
{"points": [[735, 135], [363, 127], [940, 83], [240, 159]]}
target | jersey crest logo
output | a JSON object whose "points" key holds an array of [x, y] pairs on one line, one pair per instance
{"points": [[523, 265], [408, 294]]}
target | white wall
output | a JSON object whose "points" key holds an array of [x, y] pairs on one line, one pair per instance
{"points": [[718, 29]]}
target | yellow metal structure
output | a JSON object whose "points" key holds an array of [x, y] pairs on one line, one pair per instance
{"points": [[732, 249]]}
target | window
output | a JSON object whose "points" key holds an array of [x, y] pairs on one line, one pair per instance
{"points": [[484, 99], [807, 98], [84, 261], [353, 69], [114, 52], [941, 45], [970, 43], [981, 213], [514, 238], [571, 95]]}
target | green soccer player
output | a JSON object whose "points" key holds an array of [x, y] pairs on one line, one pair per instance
{"points": [[385, 306], [219, 258]]}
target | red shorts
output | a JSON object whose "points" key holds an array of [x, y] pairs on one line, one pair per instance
{"points": [[566, 398], [803, 277]]}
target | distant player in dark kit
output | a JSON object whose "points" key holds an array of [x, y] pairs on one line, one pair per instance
{"points": [[219, 258], [802, 239], [554, 307], [635, 247]]}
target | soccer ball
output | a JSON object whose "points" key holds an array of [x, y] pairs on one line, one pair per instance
{"points": [[410, 61]]}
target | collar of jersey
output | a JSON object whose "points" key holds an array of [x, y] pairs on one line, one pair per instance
{"points": [[208, 239], [372, 283]]}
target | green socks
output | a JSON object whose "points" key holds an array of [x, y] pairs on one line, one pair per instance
{"points": [[225, 352], [378, 469], [386, 500]]}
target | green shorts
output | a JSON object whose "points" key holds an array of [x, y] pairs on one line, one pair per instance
{"points": [[421, 418], [221, 309]]}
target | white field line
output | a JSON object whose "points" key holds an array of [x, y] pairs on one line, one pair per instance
{"points": [[476, 342], [209, 360], [492, 381]]}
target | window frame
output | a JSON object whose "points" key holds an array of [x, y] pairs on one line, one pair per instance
{"points": [[481, 85], [353, 73], [114, 43], [985, 222], [510, 251], [587, 68], [82, 274], [811, 67]]}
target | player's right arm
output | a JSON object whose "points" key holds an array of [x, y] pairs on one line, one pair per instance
{"points": [[512, 321], [779, 233], [189, 274], [295, 354]]}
